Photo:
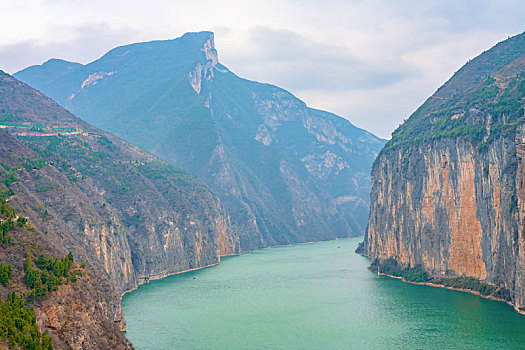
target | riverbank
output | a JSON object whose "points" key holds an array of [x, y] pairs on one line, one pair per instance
{"points": [[430, 284], [155, 277], [470, 291], [418, 276]]}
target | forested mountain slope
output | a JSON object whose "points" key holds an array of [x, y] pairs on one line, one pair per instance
{"points": [[285, 173], [125, 216]]}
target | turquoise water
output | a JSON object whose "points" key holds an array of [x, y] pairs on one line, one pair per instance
{"points": [[312, 296]]}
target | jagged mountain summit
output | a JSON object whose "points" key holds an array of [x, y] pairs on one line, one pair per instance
{"points": [[126, 216], [448, 191], [285, 173]]}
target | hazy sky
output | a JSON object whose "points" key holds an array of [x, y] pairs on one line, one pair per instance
{"points": [[371, 61]]}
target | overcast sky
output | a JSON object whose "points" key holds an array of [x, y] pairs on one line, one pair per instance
{"points": [[371, 61]]}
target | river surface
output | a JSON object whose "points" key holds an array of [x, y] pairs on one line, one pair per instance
{"points": [[311, 296]]}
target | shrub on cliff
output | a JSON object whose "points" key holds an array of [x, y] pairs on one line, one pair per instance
{"points": [[48, 275], [5, 273], [391, 268], [415, 275], [471, 283]]}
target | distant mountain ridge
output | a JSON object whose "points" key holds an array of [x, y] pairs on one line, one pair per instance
{"points": [[286, 173], [51, 69]]}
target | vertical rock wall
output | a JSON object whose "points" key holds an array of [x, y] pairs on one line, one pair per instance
{"points": [[452, 209]]}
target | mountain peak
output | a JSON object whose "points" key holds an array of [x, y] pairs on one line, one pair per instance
{"points": [[208, 44], [286, 173], [59, 61], [205, 70], [48, 71], [202, 36], [210, 51]]}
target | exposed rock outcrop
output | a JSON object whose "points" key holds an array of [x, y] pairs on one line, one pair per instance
{"points": [[284, 172], [126, 215], [447, 190]]}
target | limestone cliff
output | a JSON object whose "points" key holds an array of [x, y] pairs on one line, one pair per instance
{"points": [[284, 172], [126, 215], [448, 188]]}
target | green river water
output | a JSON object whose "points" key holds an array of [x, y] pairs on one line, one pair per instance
{"points": [[311, 296]]}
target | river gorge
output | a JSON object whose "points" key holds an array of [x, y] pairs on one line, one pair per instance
{"points": [[311, 296]]}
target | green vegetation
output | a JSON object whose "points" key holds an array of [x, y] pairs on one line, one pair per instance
{"points": [[123, 177], [9, 115], [49, 274], [163, 171], [18, 325], [390, 267], [6, 271], [473, 284], [417, 274], [467, 116], [7, 214], [17, 319], [9, 179], [21, 221], [8, 174]]}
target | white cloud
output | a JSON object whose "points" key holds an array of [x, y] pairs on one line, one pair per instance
{"points": [[372, 61], [83, 44], [301, 63]]}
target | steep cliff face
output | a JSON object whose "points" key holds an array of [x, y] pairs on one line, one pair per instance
{"points": [[126, 215], [284, 172], [447, 189], [84, 315]]}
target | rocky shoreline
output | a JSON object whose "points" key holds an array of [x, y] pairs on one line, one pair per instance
{"points": [[430, 284]]}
